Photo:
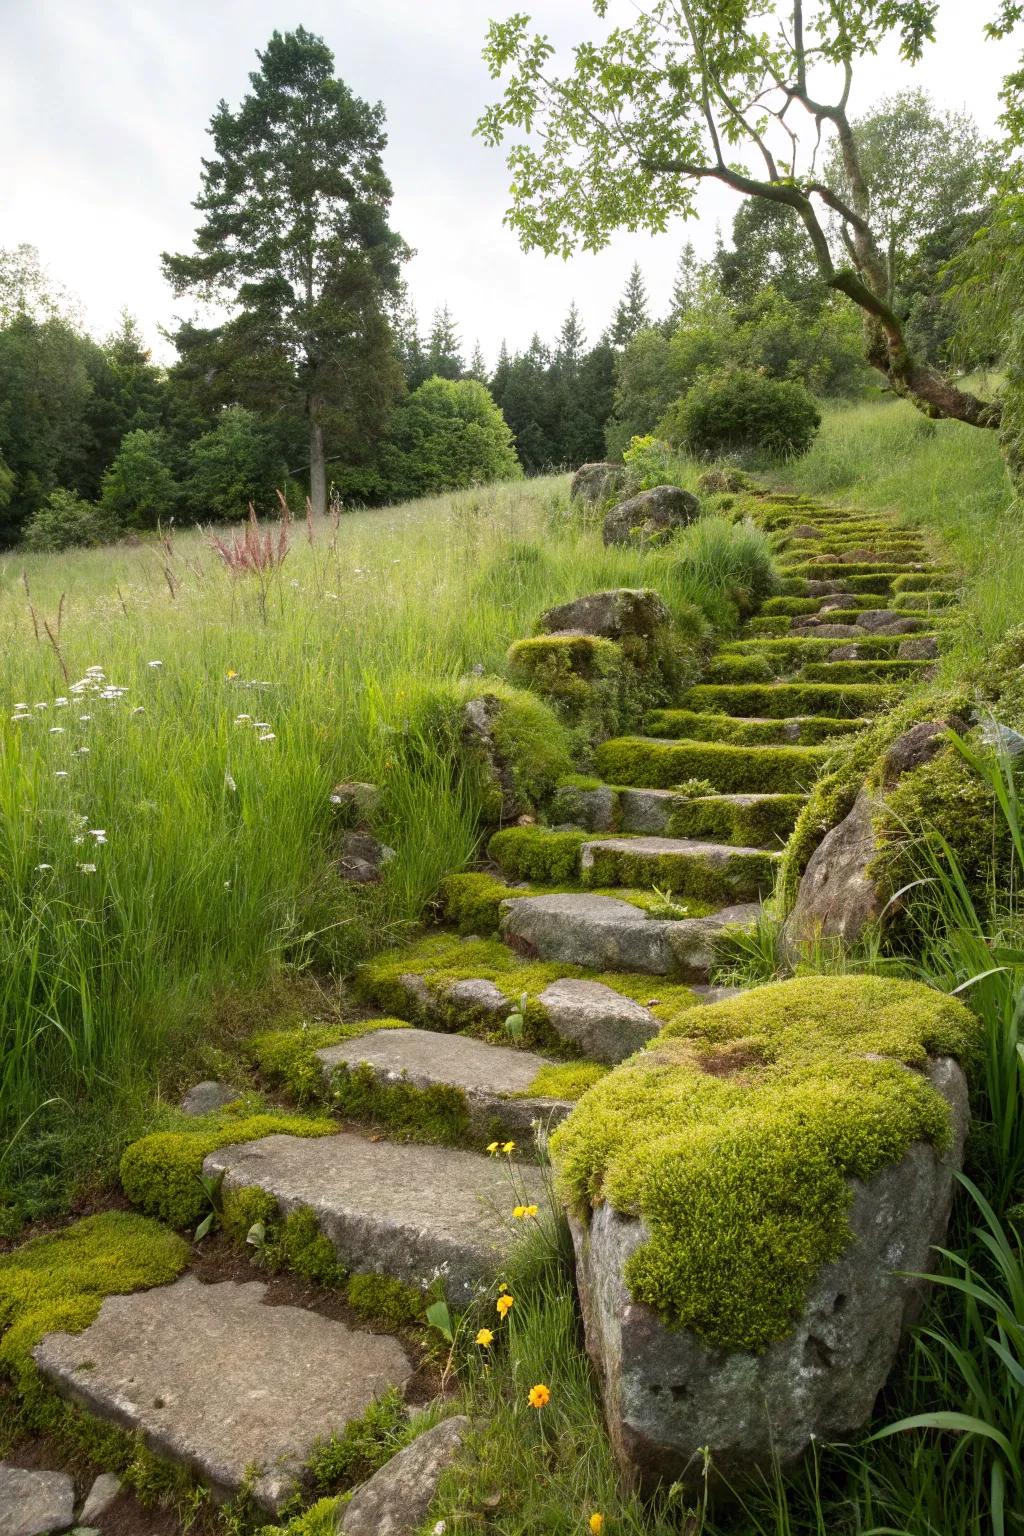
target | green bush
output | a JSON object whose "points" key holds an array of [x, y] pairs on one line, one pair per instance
{"points": [[236, 464], [138, 489], [737, 411], [65, 521], [447, 435]]}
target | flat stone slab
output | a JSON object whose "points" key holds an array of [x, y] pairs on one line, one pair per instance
{"points": [[35, 1503], [603, 933], [410, 1211], [648, 810], [471, 999], [395, 1501], [604, 1024], [218, 1381], [720, 855], [486, 1074]]}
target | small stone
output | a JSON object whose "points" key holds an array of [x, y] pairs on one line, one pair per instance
{"points": [[918, 648], [595, 483], [718, 482], [822, 631], [355, 803], [1003, 738], [604, 1024], [825, 589], [652, 517], [35, 1503], [205, 1097], [874, 619], [804, 531], [395, 1500], [362, 858], [846, 653], [100, 1497], [612, 614], [475, 997]]}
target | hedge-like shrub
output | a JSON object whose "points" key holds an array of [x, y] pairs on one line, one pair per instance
{"points": [[740, 411]]}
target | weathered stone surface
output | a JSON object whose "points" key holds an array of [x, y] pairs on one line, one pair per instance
{"points": [[1003, 737], [918, 648], [651, 517], [478, 721], [649, 810], [591, 809], [813, 626], [804, 531], [35, 1503], [355, 803], [904, 627], [604, 1024], [396, 1499], [362, 857], [722, 481], [825, 588], [846, 653], [874, 619], [607, 934], [216, 1380], [667, 1394], [743, 871], [620, 611], [100, 1497], [915, 747], [837, 899], [408, 1211], [205, 1097], [486, 1074], [475, 997], [594, 483]]}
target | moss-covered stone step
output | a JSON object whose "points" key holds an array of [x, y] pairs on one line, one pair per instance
{"points": [[213, 1378], [688, 867], [931, 580], [801, 586], [792, 649], [413, 1212], [927, 600], [795, 606], [643, 762], [785, 700], [806, 730], [609, 935], [913, 620], [751, 821], [863, 671]]}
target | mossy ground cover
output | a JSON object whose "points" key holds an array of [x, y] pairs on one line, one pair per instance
{"points": [[764, 822], [634, 761], [287, 1057], [784, 700], [862, 671], [690, 725], [734, 1135], [471, 901]]}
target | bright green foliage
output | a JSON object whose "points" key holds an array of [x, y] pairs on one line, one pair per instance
{"points": [[139, 489], [724, 668], [364, 1445], [439, 1113], [319, 1520], [566, 1080], [161, 1172], [783, 700], [806, 731], [447, 435], [65, 521], [539, 854], [741, 877], [863, 671], [288, 1056], [631, 760], [585, 677], [926, 581], [734, 1134], [765, 822], [739, 411], [56, 1283], [472, 901], [236, 465], [384, 1300]]}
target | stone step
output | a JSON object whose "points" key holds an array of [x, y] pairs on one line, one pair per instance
{"points": [[213, 1378], [928, 600], [409, 1211], [825, 568], [784, 700], [609, 935], [750, 821], [794, 606], [648, 763], [494, 1081], [705, 871], [801, 586], [810, 647], [747, 730], [864, 671]]}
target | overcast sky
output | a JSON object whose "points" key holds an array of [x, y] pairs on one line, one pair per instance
{"points": [[104, 106]]}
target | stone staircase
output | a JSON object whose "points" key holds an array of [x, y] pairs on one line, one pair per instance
{"points": [[595, 931]]}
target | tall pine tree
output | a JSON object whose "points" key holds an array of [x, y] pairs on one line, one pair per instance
{"points": [[444, 356], [632, 314], [295, 240]]}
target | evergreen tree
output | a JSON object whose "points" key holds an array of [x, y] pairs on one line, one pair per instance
{"points": [[444, 357], [633, 314], [410, 346], [478, 365], [295, 240], [571, 341], [686, 286]]}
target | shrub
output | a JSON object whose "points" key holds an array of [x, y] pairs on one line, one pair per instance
{"points": [[736, 410], [447, 435], [65, 521], [235, 465], [138, 488]]}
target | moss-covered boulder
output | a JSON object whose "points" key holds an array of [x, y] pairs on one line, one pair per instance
{"points": [[651, 517], [595, 483], [749, 1198]]}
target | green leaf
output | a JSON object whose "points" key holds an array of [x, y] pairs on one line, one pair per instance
{"points": [[439, 1317]]}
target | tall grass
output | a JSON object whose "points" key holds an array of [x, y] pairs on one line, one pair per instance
{"points": [[170, 732]]}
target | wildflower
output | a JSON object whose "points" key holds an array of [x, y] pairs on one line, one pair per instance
{"points": [[596, 1524], [502, 1288], [154, 663], [139, 709], [504, 1306], [524, 1210], [60, 703], [81, 751], [98, 834], [268, 736], [56, 730], [508, 1148], [229, 782], [493, 1147], [242, 719], [439, 1528], [261, 725], [539, 1396], [42, 705], [61, 773], [230, 673], [41, 867], [485, 1338], [87, 869], [21, 717], [85, 718]]}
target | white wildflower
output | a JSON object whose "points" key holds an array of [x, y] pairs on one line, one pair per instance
{"points": [[60, 703], [56, 730], [227, 885], [98, 834], [42, 705], [154, 663], [140, 709], [78, 838], [242, 719], [81, 751], [87, 869], [85, 717], [61, 773], [268, 736], [230, 783], [41, 867]]}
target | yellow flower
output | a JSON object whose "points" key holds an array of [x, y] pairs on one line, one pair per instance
{"points": [[539, 1396], [504, 1306], [596, 1523], [494, 1148], [502, 1287], [485, 1338], [519, 1211], [508, 1148], [230, 672]]}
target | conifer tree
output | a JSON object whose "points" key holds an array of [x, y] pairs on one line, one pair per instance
{"points": [[632, 314], [444, 356]]}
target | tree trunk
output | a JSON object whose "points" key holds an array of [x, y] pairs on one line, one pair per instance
{"points": [[317, 468]]}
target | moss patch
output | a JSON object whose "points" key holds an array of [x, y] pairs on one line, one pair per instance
{"points": [[568, 1080], [722, 881], [537, 853], [160, 1172], [784, 700], [690, 725], [634, 761], [864, 671], [762, 822], [287, 1057], [734, 1134]]}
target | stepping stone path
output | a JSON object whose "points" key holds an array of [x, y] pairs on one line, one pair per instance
{"points": [[218, 1380]]}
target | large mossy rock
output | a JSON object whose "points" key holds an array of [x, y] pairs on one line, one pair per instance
{"points": [[652, 517], [594, 484], [609, 615], [748, 1198]]}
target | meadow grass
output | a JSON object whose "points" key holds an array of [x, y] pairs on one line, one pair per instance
{"points": [[171, 733]]}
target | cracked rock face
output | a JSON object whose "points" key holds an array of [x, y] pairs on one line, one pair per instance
{"points": [[667, 1394]]}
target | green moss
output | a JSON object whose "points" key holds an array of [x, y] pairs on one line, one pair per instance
{"points": [[631, 760], [471, 901], [740, 877], [734, 1134], [347, 1459], [160, 1172], [796, 648], [585, 677], [287, 1057], [863, 671], [537, 853], [385, 1301], [791, 605], [773, 624], [784, 700], [567, 1080], [319, 1520], [725, 668], [690, 725], [838, 570], [764, 822], [926, 581], [927, 598], [439, 1113]]}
